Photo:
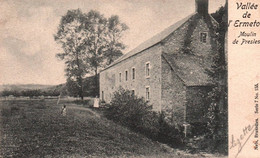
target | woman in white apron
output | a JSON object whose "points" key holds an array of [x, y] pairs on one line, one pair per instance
{"points": [[96, 102]]}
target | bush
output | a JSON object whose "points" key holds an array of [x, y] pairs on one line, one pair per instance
{"points": [[85, 103], [218, 120], [127, 109], [134, 112], [168, 133]]}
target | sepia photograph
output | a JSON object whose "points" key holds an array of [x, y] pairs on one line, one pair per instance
{"points": [[114, 78]]}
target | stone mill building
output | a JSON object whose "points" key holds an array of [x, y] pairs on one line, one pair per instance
{"points": [[170, 69]]}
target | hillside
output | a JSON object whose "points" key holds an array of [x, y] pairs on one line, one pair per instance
{"points": [[65, 88], [34, 128], [20, 87]]}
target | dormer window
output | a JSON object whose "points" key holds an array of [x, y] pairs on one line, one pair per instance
{"points": [[203, 37]]}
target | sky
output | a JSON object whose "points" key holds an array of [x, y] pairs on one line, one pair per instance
{"points": [[27, 46]]}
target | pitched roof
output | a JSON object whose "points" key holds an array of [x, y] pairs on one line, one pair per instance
{"points": [[152, 41], [191, 69]]}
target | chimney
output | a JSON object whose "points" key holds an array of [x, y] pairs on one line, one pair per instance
{"points": [[202, 6]]}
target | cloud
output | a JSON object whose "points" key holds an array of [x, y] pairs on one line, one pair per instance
{"points": [[35, 30], [27, 46]]}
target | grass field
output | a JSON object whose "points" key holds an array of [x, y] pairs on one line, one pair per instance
{"points": [[36, 128]]}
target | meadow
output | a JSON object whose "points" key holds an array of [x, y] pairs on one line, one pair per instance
{"points": [[36, 128]]}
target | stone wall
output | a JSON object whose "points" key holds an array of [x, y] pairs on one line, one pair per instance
{"points": [[109, 79], [197, 104], [187, 37], [204, 51], [173, 95], [175, 41], [167, 90]]}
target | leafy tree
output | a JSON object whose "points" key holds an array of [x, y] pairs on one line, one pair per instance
{"points": [[71, 36], [218, 114], [90, 83], [6, 93], [72, 88], [13, 92], [103, 44], [90, 41], [115, 46]]}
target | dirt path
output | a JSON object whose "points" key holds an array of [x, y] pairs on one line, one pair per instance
{"points": [[78, 107]]}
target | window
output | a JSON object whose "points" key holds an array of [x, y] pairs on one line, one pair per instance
{"points": [[203, 37], [147, 69], [147, 93], [133, 73], [133, 92], [126, 75], [120, 77], [102, 95]]}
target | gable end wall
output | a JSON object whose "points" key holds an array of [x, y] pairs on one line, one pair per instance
{"points": [[187, 38], [177, 99], [173, 95]]}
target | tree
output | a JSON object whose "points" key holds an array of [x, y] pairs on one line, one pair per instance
{"points": [[72, 88], [218, 110], [90, 41], [90, 83], [103, 41], [71, 35], [115, 46], [6, 93]]}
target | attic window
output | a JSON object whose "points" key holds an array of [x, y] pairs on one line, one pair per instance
{"points": [[203, 37]]}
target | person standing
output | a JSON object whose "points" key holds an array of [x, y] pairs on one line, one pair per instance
{"points": [[63, 110], [96, 102]]}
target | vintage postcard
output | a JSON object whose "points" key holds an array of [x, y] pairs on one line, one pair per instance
{"points": [[243, 78], [129, 78]]}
